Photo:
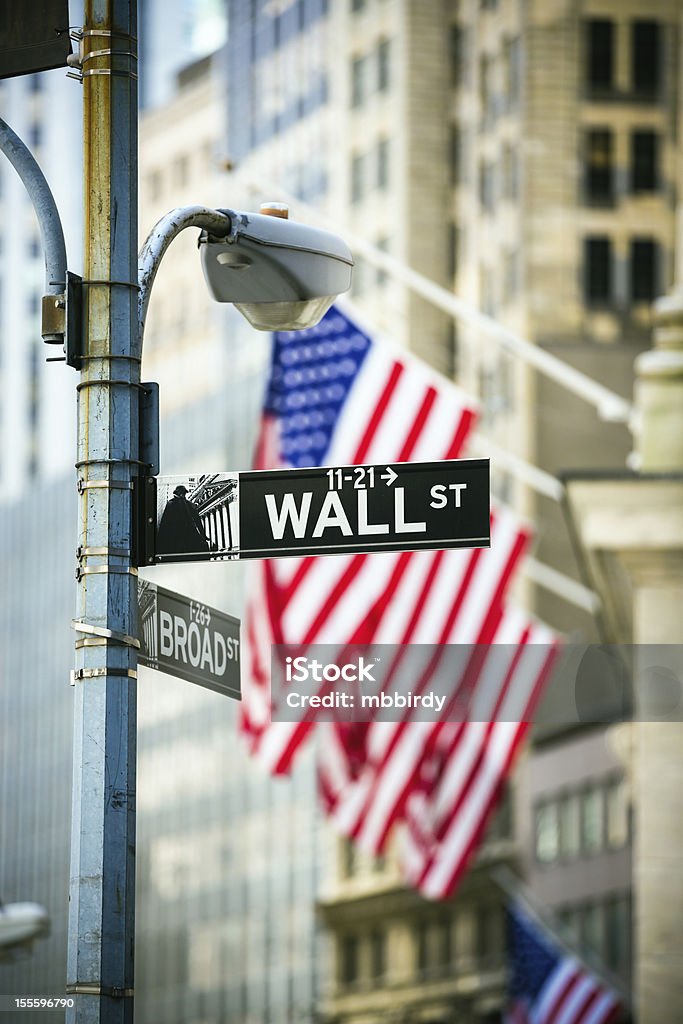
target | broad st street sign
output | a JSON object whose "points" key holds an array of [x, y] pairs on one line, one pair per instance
{"points": [[322, 511], [189, 639]]}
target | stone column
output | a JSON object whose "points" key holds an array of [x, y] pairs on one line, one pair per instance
{"points": [[658, 746], [658, 428]]}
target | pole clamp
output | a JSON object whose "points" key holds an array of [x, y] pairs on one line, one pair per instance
{"points": [[89, 485], [82, 552], [84, 989], [79, 674], [108, 634], [103, 570]]}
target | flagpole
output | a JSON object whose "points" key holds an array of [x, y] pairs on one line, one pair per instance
{"points": [[512, 886]]}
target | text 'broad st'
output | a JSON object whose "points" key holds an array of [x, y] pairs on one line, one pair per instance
{"points": [[189, 639]]}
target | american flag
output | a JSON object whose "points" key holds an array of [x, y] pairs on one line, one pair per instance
{"points": [[441, 779], [547, 984], [336, 396]]}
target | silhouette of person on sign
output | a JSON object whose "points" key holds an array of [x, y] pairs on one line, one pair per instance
{"points": [[180, 529]]}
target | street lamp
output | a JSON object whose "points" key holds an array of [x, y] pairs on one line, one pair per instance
{"points": [[281, 275]]}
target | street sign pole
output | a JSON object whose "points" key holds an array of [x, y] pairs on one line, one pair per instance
{"points": [[102, 881]]}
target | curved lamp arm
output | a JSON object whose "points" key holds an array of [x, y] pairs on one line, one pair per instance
{"points": [[44, 204], [219, 223]]}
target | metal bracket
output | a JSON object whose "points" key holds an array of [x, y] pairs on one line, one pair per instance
{"points": [[117, 485], [82, 989], [103, 570], [82, 552], [149, 426], [108, 634], [62, 318], [110, 382], [79, 674], [144, 520], [53, 319]]}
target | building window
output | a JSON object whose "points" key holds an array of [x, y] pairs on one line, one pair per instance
{"points": [[382, 243], [646, 57], [487, 292], [592, 820], [617, 814], [451, 347], [454, 155], [644, 161], [570, 826], [383, 152], [348, 967], [357, 81], [444, 942], [455, 54], [357, 178], [593, 928], [500, 825], [547, 833], [600, 53], [383, 65], [377, 954], [421, 953], [618, 926], [488, 935], [599, 166], [487, 196], [357, 5], [35, 134], [510, 275], [510, 172], [644, 269], [598, 269], [487, 91], [568, 920], [348, 858], [601, 928], [453, 245], [512, 59]]}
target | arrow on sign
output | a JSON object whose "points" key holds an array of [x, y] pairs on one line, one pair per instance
{"points": [[389, 476]]}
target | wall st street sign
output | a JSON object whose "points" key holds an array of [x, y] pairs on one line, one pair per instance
{"points": [[322, 511], [188, 639]]}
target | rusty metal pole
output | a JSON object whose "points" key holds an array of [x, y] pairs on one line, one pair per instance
{"points": [[102, 882]]}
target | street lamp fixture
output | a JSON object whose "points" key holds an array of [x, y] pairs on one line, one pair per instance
{"points": [[282, 276]]}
